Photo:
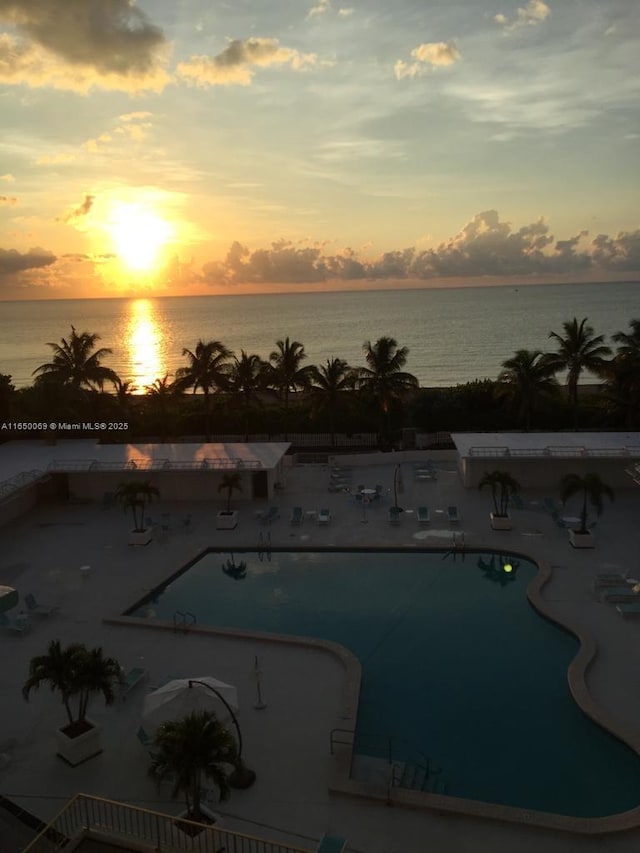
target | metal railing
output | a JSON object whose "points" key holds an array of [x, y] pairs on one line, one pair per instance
{"points": [[95, 817], [213, 463], [20, 481], [556, 451]]}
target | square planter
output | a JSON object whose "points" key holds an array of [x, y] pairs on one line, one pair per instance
{"points": [[582, 540], [226, 520], [500, 522], [76, 750], [141, 537]]}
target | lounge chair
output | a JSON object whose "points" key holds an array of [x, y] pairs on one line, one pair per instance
{"points": [[423, 514], [19, 625], [270, 515], [131, 679], [324, 516], [331, 844], [296, 515], [452, 514], [616, 594], [394, 515], [628, 609], [604, 581], [39, 609]]}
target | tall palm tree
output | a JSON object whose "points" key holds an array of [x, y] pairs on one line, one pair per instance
{"points": [[578, 350], [330, 381], [247, 378], [526, 379], [622, 377], [189, 750], [286, 374], [592, 489], [502, 485], [135, 496], [162, 392], [383, 378], [76, 362], [629, 342], [231, 480], [208, 370], [74, 672]]}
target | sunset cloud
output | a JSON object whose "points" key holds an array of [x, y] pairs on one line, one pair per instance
{"points": [[8, 178], [8, 200], [81, 211], [531, 14], [237, 63], [79, 44], [485, 247], [430, 54], [12, 261]]}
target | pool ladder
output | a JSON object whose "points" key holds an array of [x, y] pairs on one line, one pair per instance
{"points": [[264, 547], [183, 620]]}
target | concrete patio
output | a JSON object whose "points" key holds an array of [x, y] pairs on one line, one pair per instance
{"points": [[288, 742]]}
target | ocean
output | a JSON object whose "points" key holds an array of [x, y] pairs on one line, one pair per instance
{"points": [[454, 335]]}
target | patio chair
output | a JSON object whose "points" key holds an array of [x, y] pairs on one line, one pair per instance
{"points": [[628, 609], [452, 514], [331, 844], [270, 515], [394, 515], [423, 515], [618, 594], [324, 516], [131, 679], [38, 609], [296, 515], [19, 625]]}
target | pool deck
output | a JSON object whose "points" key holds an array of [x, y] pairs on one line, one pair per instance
{"points": [[287, 743]]}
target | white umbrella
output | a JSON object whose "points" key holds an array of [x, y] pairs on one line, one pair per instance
{"points": [[183, 695]]}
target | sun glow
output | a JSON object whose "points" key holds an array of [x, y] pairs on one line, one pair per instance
{"points": [[138, 235]]}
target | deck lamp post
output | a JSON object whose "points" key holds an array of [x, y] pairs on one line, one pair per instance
{"points": [[241, 777]]}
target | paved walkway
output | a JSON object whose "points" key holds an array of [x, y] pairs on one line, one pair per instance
{"points": [[287, 743]]}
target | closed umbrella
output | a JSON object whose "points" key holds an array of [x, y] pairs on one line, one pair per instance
{"points": [[179, 697]]}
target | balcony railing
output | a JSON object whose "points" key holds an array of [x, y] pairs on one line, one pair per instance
{"points": [[94, 817]]}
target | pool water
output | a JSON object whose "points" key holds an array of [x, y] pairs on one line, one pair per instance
{"points": [[456, 666]]}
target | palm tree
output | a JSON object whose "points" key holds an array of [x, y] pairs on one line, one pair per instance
{"points": [[578, 350], [191, 749], [503, 481], [74, 672], [592, 489], [208, 370], [286, 374], [162, 392], [622, 388], [247, 378], [135, 496], [330, 382], [230, 480], [383, 378], [526, 379], [629, 341], [75, 363]]}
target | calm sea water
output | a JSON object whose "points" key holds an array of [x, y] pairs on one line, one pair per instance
{"points": [[453, 335]]}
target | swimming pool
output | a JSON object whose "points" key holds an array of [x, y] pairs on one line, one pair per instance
{"points": [[456, 665]]}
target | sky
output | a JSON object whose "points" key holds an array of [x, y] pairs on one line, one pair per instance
{"points": [[197, 146]]}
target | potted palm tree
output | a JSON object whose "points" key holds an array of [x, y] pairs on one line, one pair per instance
{"points": [[503, 486], [75, 672], [135, 496], [593, 490], [189, 751], [227, 519]]}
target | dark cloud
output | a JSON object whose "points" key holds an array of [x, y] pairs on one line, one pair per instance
{"points": [[485, 247], [12, 261], [74, 44], [81, 210]]}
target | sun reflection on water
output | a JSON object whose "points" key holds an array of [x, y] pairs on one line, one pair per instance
{"points": [[143, 342]]}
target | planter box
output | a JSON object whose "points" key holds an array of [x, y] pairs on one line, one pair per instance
{"points": [[582, 540], [141, 537], [226, 520], [500, 522], [79, 749]]}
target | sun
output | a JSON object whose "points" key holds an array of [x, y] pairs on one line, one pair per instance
{"points": [[138, 235]]}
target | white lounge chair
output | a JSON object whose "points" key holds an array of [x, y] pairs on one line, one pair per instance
{"points": [[296, 515], [324, 516], [19, 625], [394, 514], [423, 515], [270, 515], [452, 514]]}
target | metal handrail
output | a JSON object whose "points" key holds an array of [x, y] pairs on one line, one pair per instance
{"points": [[97, 817]]}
